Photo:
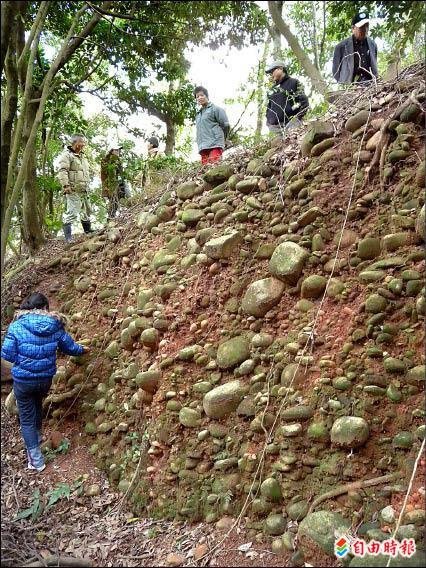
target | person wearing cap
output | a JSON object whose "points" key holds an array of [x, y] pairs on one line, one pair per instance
{"points": [[355, 58], [212, 127], [287, 102], [73, 175], [113, 184]]}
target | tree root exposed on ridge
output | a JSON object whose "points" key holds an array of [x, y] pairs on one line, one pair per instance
{"points": [[342, 489], [60, 561]]}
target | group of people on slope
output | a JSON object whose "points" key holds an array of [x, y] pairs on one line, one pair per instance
{"points": [[32, 340], [354, 61], [74, 177]]}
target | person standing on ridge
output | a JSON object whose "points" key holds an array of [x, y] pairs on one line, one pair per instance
{"points": [[287, 102], [212, 127], [73, 175], [355, 58], [30, 344], [113, 184]]}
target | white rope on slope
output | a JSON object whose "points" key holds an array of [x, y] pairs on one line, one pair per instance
{"points": [[308, 340], [410, 485]]}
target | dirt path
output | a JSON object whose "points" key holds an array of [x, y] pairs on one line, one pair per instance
{"points": [[99, 528]]}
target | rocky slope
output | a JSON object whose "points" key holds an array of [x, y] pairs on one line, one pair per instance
{"points": [[257, 335]]}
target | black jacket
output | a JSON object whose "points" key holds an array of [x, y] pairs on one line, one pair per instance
{"points": [[285, 101]]}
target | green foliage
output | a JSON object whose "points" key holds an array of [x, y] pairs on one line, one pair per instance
{"points": [[40, 504], [34, 511], [63, 448]]}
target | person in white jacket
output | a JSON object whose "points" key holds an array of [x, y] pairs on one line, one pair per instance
{"points": [[73, 175]]}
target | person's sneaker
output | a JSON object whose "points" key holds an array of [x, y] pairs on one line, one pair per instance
{"points": [[39, 469], [35, 459]]}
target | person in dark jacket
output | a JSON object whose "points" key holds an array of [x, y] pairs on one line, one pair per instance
{"points": [[355, 58], [30, 344], [287, 102]]}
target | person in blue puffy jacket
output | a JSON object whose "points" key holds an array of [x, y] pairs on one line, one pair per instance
{"points": [[30, 344]]}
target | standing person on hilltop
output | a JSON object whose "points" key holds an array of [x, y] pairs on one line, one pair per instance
{"points": [[355, 58], [73, 175], [287, 102], [153, 148], [212, 126], [144, 178], [113, 184], [30, 344]]}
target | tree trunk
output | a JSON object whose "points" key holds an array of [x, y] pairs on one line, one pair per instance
{"points": [[170, 136], [69, 46], [9, 107], [32, 226], [311, 71], [276, 35], [9, 12], [260, 91], [393, 65]]}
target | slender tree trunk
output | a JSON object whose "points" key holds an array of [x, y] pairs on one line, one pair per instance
{"points": [[170, 136], [260, 90], [311, 71], [69, 46], [9, 12], [314, 35], [32, 227], [276, 34], [394, 63], [8, 114]]}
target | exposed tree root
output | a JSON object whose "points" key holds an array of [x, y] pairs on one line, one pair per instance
{"points": [[342, 489], [60, 561], [380, 152], [60, 397]]}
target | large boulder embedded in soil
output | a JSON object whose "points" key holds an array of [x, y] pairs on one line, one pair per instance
{"points": [[223, 399], [6, 371], [223, 246], [218, 174], [350, 432], [232, 352], [261, 296], [188, 190], [321, 528], [421, 224], [10, 404], [287, 261], [320, 130], [369, 561]]}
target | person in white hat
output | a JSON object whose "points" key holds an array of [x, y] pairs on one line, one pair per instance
{"points": [[355, 58], [287, 102]]}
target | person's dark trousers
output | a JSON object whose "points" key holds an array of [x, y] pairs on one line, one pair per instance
{"points": [[113, 206], [87, 227], [29, 399], [67, 231]]}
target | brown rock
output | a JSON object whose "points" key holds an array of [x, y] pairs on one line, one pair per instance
{"points": [[173, 559], [348, 238], [225, 523], [55, 439], [200, 551], [6, 371]]}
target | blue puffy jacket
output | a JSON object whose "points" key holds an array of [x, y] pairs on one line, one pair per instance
{"points": [[31, 343]]}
